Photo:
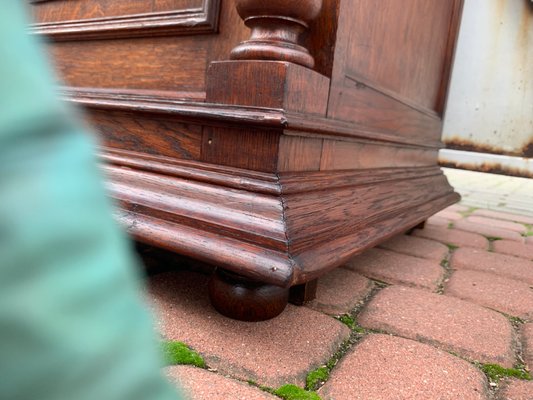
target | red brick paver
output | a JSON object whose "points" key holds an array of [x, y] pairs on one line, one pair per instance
{"points": [[513, 249], [339, 291], [391, 267], [517, 390], [455, 325], [386, 367], [526, 332], [488, 231], [200, 384], [449, 215], [497, 223], [281, 350], [435, 221], [418, 247], [457, 208], [510, 296], [523, 219], [498, 264], [453, 237]]}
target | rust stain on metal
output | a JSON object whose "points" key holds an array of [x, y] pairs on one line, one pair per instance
{"points": [[492, 168], [457, 143]]}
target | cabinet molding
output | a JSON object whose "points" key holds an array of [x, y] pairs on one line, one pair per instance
{"points": [[198, 20]]}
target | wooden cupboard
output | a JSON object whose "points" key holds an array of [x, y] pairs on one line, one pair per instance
{"points": [[273, 139]]}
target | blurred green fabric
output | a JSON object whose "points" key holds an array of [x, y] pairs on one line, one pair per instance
{"points": [[72, 322]]}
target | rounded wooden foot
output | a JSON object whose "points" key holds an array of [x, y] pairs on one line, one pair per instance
{"points": [[240, 298], [420, 225]]}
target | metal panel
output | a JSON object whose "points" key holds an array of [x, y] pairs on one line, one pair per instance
{"points": [[490, 104]]}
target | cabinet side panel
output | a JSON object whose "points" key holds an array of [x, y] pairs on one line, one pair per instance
{"points": [[393, 56]]}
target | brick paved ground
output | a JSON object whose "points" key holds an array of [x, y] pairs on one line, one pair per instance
{"points": [[425, 316]]}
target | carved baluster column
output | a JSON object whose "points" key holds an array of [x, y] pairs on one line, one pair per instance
{"points": [[271, 70], [276, 28], [263, 69]]}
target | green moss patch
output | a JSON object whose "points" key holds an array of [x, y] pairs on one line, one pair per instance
{"points": [[496, 372], [452, 247], [349, 321], [178, 353], [316, 378], [493, 238], [293, 392]]}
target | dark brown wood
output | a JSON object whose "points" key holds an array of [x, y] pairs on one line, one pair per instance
{"points": [[104, 19], [276, 27], [420, 225], [126, 130], [391, 64], [274, 154], [284, 227], [303, 293], [240, 298]]}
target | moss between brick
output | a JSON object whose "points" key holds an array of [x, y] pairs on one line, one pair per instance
{"points": [[451, 247], [496, 372], [316, 378], [293, 392], [319, 376], [178, 353], [349, 321]]}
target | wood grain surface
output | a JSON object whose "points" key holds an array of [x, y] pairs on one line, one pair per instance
{"points": [[99, 19], [250, 223], [275, 141]]}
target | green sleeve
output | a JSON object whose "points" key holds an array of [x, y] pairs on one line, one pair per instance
{"points": [[72, 323]]}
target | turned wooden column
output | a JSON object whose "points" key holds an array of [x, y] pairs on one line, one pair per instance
{"points": [[276, 28], [262, 72]]}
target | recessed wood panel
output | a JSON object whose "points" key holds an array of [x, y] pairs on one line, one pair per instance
{"points": [[392, 65], [90, 19], [401, 45], [370, 107], [68, 10], [172, 64]]}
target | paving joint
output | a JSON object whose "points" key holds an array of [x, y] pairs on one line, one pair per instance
{"points": [[445, 263], [518, 346], [357, 333]]}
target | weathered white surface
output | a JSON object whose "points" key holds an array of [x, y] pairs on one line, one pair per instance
{"points": [[490, 101]]}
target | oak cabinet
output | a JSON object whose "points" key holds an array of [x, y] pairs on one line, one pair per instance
{"points": [[274, 139]]}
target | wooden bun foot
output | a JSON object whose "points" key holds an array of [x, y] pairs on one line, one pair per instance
{"points": [[240, 298], [420, 225]]}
